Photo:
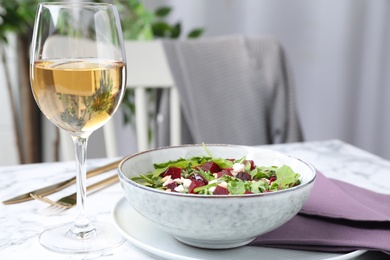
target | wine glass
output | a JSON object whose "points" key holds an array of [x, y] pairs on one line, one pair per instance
{"points": [[78, 78]]}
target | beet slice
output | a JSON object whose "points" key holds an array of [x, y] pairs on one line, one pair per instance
{"points": [[172, 186], [198, 177], [211, 166], [219, 190], [174, 172], [194, 184], [224, 172], [244, 176]]}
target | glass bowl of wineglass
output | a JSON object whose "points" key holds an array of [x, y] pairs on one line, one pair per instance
{"points": [[78, 78]]}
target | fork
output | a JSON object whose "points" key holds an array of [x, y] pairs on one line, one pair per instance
{"points": [[71, 200]]}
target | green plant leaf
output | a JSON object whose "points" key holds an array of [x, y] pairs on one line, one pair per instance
{"points": [[163, 11], [3, 38], [195, 33], [161, 29], [176, 31]]}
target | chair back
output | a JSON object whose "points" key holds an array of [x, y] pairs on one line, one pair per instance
{"points": [[236, 90], [147, 68]]}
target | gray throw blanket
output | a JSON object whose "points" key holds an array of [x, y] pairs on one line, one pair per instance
{"points": [[233, 90]]}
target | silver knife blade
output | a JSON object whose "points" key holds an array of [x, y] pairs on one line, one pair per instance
{"points": [[61, 185]]}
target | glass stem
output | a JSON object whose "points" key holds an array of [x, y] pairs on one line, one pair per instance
{"points": [[82, 227]]}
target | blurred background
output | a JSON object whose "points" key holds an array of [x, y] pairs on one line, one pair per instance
{"points": [[338, 51]]}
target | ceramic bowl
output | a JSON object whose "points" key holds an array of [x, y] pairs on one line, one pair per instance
{"points": [[215, 221]]}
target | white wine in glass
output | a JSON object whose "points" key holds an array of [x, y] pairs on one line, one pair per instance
{"points": [[78, 78]]}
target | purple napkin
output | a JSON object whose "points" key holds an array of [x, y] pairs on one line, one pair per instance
{"points": [[338, 217]]}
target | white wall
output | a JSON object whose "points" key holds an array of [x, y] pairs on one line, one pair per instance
{"points": [[8, 151], [339, 52]]}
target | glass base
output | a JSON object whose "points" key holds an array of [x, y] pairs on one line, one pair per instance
{"points": [[62, 239]]}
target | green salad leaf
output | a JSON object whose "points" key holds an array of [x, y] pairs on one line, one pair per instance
{"points": [[285, 177], [236, 187]]}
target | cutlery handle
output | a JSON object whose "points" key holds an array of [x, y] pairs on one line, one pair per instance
{"points": [[103, 183], [104, 168], [90, 173], [61, 185]]}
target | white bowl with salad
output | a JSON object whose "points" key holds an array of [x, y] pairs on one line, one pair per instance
{"points": [[216, 196]]}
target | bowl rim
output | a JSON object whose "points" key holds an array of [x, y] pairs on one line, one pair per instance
{"points": [[137, 185]]}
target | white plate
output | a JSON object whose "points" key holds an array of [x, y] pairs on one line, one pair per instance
{"points": [[143, 234]]}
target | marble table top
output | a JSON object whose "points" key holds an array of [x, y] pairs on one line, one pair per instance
{"points": [[21, 224]]}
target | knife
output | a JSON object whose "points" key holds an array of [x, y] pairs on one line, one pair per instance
{"points": [[61, 185]]}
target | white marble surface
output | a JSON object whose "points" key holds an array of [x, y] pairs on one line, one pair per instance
{"points": [[20, 224]]}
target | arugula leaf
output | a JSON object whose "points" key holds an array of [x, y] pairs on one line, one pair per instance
{"points": [[240, 160], [236, 187], [178, 164], [259, 186], [207, 150], [263, 172], [247, 167], [166, 164], [206, 175], [148, 180], [202, 189], [285, 177], [223, 163], [197, 160]]}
